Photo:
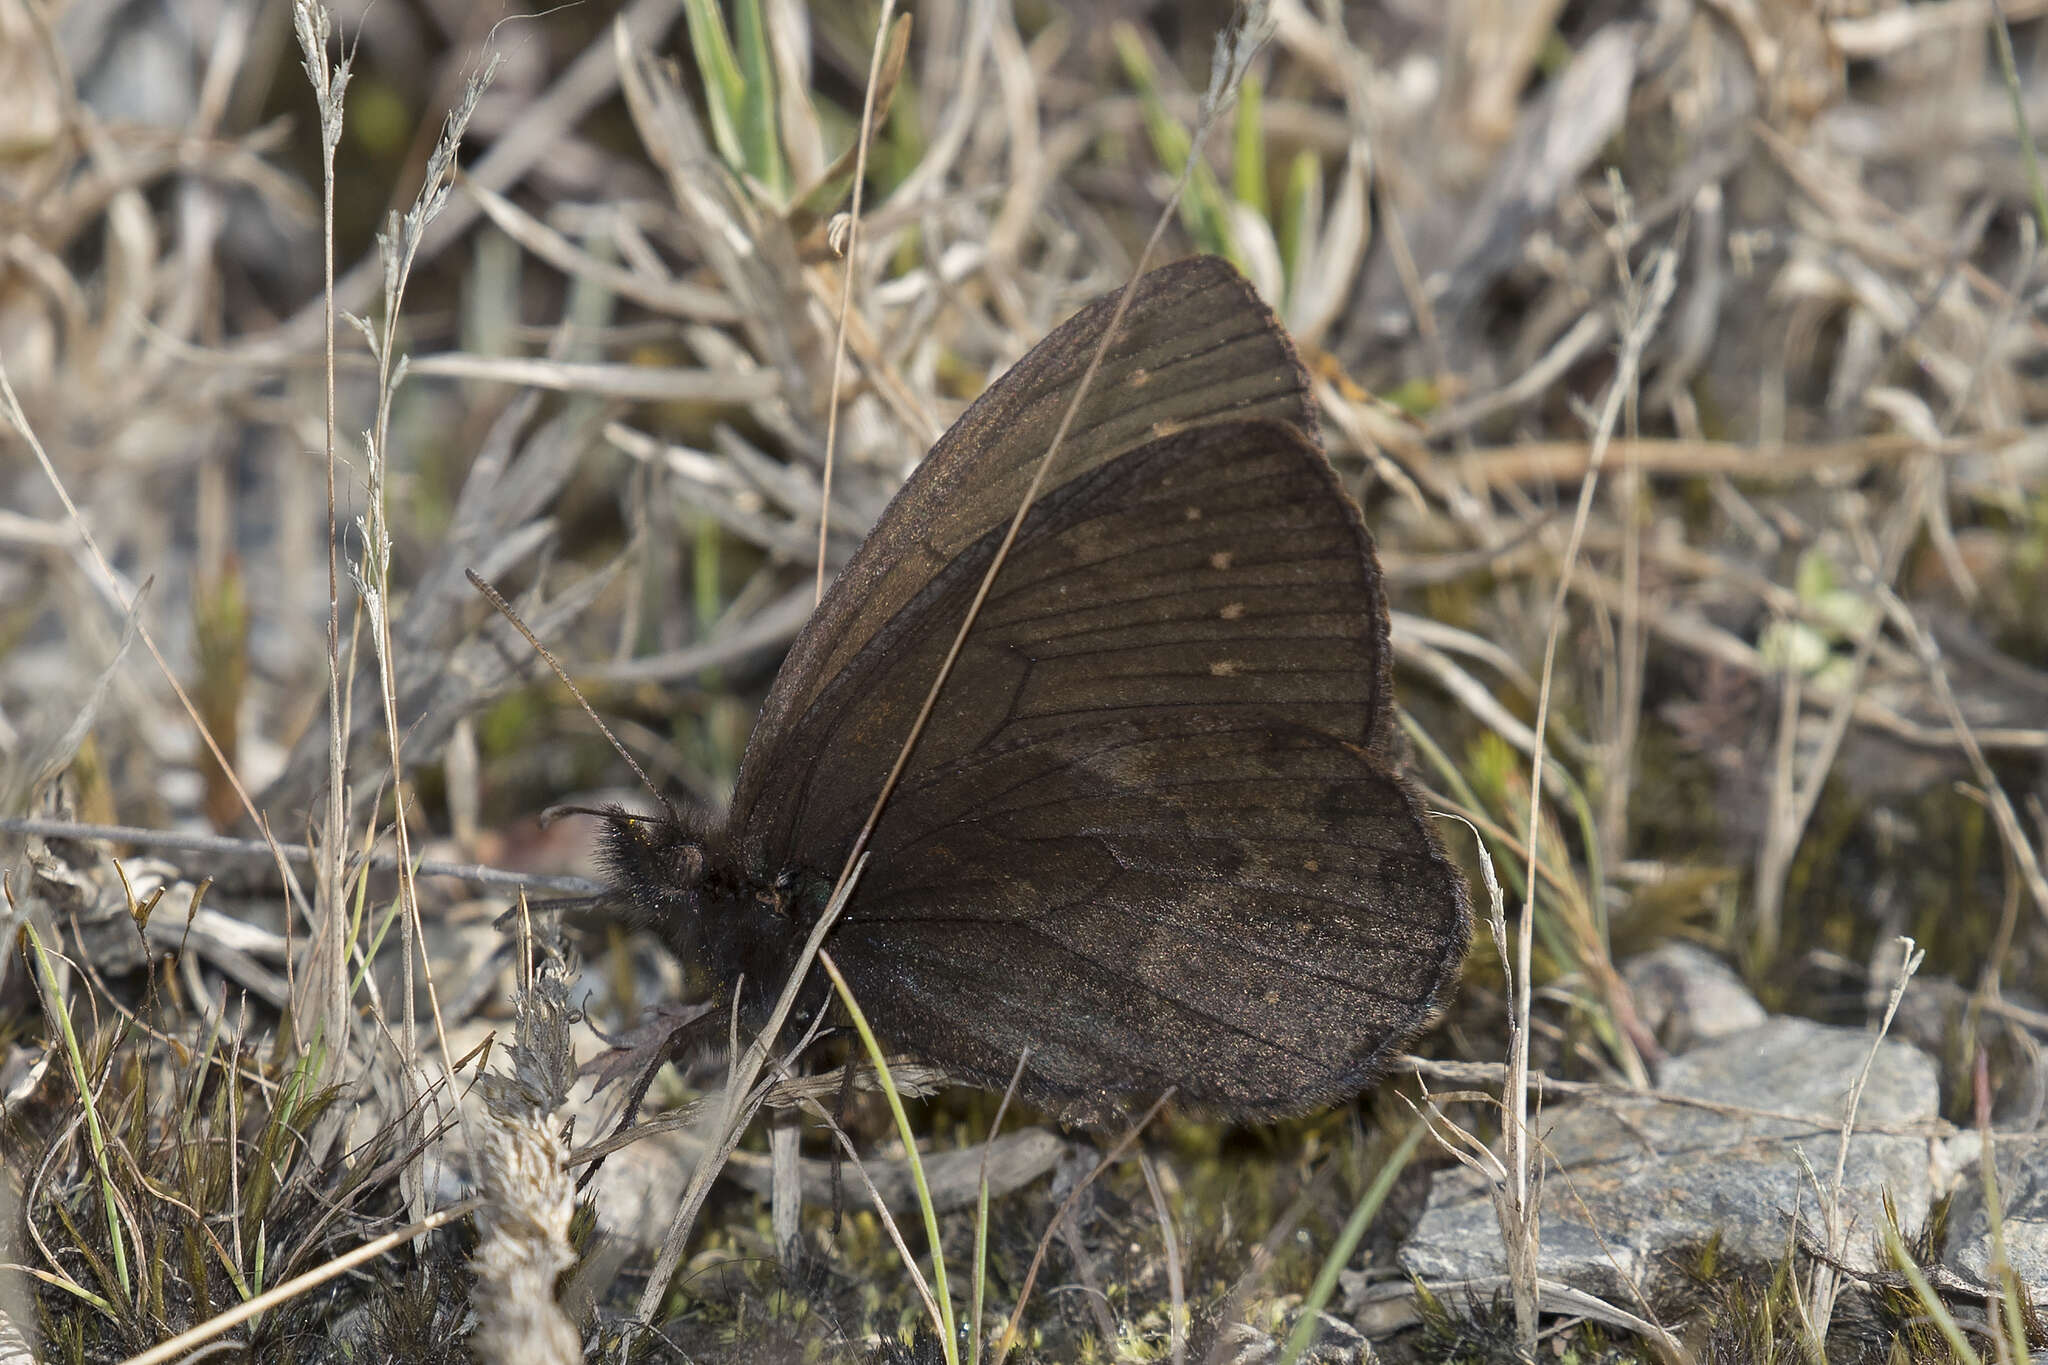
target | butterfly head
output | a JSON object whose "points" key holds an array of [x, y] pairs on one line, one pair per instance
{"points": [[657, 865], [676, 874]]}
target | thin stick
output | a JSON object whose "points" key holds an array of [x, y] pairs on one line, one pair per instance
{"points": [[224, 846], [888, 1219], [847, 271], [1009, 1337], [981, 1214], [1242, 54], [1176, 1292]]}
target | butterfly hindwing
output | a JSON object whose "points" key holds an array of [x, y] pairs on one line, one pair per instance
{"points": [[1261, 916], [1157, 802]]}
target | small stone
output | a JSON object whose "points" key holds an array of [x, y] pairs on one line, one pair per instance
{"points": [[1686, 996], [1629, 1180], [2023, 1198]]}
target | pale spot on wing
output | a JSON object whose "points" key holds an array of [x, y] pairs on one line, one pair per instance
{"points": [[1165, 427], [1220, 560], [1223, 668], [1272, 997], [1193, 514], [1139, 377], [1311, 866], [1231, 611]]}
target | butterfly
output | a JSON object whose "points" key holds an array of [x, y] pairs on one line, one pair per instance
{"points": [[1156, 828]]}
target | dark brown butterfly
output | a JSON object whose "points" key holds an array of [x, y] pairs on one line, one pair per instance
{"points": [[1156, 829]]}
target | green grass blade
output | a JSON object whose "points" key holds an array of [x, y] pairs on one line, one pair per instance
{"points": [[2029, 158], [1301, 213], [1248, 148], [948, 1336], [1203, 210], [82, 1078], [1937, 1312], [760, 135], [1347, 1242], [724, 86]]}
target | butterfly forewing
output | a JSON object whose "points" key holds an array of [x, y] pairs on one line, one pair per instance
{"points": [[1196, 347], [1218, 569]]}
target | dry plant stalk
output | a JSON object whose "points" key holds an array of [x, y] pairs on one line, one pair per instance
{"points": [[1924, 355], [525, 1187]]}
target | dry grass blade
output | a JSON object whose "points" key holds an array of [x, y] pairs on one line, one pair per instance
{"points": [[1825, 1285], [1776, 688], [742, 1099], [1234, 53], [2009, 828], [1177, 1302], [537, 132], [323, 987], [1131, 1134], [1520, 1206], [38, 767], [980, 1277], [443, 669], [398, 247], [904, 1255], [176, 1347], [125, 599], [660, 293], [217, 845], [624, 383], [849, 251]]}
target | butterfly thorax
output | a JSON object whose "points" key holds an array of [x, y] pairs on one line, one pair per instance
{"points": [[679, 877]]}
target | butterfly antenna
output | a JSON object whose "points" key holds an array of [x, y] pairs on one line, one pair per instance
{"points": [[497, 599]]}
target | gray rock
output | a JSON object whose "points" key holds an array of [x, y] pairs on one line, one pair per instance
{"points": [[2023, 1198], [1631, 1179], [1339, 1343], [1686, 996]]}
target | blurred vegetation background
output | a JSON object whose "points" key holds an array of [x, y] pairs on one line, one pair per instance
{"points": [[1765, 273]]}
